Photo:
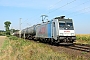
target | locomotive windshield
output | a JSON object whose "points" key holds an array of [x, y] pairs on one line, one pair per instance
{"points": [[66, 25]]}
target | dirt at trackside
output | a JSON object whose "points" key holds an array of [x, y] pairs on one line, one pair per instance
{"points": [[2, 38], [73, 53]]}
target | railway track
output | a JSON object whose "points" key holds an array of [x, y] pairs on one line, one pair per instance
{"points": [[75, 46], [80, 47]]}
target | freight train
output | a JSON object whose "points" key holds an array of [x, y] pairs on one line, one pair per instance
{"points": [[56, 31]]}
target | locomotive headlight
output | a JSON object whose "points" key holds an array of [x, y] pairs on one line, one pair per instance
{"points": [[72, 34], [61, 34]]}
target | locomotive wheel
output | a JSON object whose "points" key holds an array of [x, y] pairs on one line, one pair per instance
{"points": [[45, 40], [52, 41], [56, 43]]}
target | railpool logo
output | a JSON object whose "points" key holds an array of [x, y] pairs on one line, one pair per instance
{"points": [[42, 30]]}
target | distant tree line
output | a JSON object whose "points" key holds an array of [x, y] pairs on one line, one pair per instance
{"points": [[12, 31], [2, 32]]}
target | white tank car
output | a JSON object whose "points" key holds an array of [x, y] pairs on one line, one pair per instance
{"points": [[16, 33], [29, 32]]}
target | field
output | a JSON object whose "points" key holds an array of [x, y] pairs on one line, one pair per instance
{"points": [[83, 38], [2, 38], [19, 49]]}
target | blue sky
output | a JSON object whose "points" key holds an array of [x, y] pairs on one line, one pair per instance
{"points": [[31, 10]]}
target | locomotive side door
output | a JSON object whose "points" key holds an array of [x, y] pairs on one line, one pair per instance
{"points": [[54, 31]]}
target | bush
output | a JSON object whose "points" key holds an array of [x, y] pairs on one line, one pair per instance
{"points": [[13, 38], [77, 37], [2, 34], [8, 35]]}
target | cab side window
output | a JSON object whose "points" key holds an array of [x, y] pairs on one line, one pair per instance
{"points": [[53, 24]]}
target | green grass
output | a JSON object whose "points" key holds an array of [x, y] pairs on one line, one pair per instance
{"points": [[6, 43], [19, 49]]}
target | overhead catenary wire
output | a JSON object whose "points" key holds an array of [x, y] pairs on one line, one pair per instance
{"points": [[48, 9], [80, 4], [80, 13], [62, 6], [59, 7], [78, 10], [77, 5], [24, 21], [54, 4]]}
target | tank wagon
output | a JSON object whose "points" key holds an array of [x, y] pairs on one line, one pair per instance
{"points": [[58, 30], [16, 33], [29, 33]]}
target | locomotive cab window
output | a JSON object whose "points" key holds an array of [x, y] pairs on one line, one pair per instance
{"points": [[69, 25], [66, 25], [62, 25]]}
